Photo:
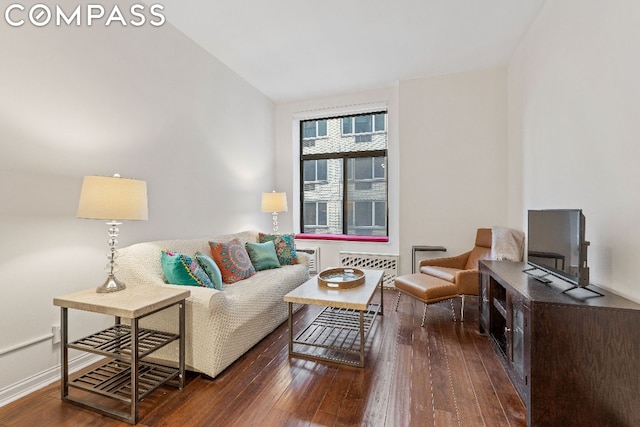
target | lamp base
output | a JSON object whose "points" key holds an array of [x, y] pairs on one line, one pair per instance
{"points": [[111, 285]]}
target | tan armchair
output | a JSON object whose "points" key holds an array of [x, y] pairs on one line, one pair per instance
{"points": [[462, 270]]}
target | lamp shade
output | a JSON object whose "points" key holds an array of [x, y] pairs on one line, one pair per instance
{"points": [[113, 198], [274, 202]]}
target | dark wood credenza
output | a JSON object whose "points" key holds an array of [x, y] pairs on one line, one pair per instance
{"points": [[574, 357]]}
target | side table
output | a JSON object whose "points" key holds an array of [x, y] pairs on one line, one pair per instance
{"points": [[125, 376], [415, 249]]}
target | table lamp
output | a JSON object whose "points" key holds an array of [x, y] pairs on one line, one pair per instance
{"points": [[274, 202], [113, 199]]}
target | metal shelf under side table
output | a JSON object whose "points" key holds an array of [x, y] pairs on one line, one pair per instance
{"points": [[125, 376]]}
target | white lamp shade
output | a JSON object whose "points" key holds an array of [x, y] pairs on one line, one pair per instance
{"points": [[113, 198], [274, 202]]}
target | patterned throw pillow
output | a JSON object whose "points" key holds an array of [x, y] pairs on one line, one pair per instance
{"points": [[211, 268], [233, 260], [263, 255], [181, 269], [285, 247]]}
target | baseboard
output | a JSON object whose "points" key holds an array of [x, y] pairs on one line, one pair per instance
{"points": [[43, 379]]}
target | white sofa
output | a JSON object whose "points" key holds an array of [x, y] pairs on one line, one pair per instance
{"points": [[220, 325]]}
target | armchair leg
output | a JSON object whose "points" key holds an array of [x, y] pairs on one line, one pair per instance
{"points": [[424, 316], [462, 308], [398, 300]]}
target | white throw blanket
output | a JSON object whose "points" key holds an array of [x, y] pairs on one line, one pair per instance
{"points": [[507, 244]]}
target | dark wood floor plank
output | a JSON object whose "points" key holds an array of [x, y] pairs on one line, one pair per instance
{"points": [[339, 386], [322, 418], [381, 371], [349, 412], [506, 394], [488, 404], [445, 374], [442, 392], [421, 410], [462, 388], [400, 392]]}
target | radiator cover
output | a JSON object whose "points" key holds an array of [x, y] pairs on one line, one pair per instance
{"points": [[386, 262], [314, 258]]}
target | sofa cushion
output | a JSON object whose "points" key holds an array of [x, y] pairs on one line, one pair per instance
{"points": [[263, 255], [285, 247], [211, 268], [233, 260], [180, 269]]}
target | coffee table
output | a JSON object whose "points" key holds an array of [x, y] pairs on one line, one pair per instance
{"points": [[339, 332]]}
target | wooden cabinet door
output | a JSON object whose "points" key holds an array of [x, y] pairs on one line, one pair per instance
{"points": [[518, 341], [484, 302]]}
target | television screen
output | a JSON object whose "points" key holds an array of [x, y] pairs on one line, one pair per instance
{"points": [[556, 244]]}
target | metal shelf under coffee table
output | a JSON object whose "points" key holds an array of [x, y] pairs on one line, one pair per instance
{"points": [[339, 332]]}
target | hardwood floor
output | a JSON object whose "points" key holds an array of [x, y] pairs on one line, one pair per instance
{"points": [[445, 374]]}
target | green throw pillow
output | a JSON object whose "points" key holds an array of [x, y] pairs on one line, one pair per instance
{"points": [[285, 247], [211, 268], [263, 255], [181, 269]]}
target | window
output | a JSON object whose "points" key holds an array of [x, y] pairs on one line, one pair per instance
{"points": [[315, 170], [315, 215], [364, 124], [366, 216], [367, 168], [344, 180], [314, 129]]}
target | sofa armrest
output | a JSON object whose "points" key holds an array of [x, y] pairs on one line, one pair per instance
{"points": [[449, 262], [303, 258], [467, 281], [206, 297]]}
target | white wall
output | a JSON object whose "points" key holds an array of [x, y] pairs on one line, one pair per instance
{"points": [[453, 132], [447, 161], [144, 102], [288, 116], [574, 123]]}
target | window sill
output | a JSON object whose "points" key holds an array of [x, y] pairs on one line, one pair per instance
{"points": [[343, 237]]}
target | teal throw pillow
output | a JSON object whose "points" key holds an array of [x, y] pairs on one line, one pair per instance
{"points": [[181, 269], [263, 255], [285, 247], [211, 268]]}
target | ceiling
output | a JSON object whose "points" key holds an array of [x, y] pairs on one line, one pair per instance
{"points": [[298, 49]]}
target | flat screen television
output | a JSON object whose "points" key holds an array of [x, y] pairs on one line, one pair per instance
{"points": [[557, 245]]}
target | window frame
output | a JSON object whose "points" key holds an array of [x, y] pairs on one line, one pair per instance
{"points": [[344, 157]]}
